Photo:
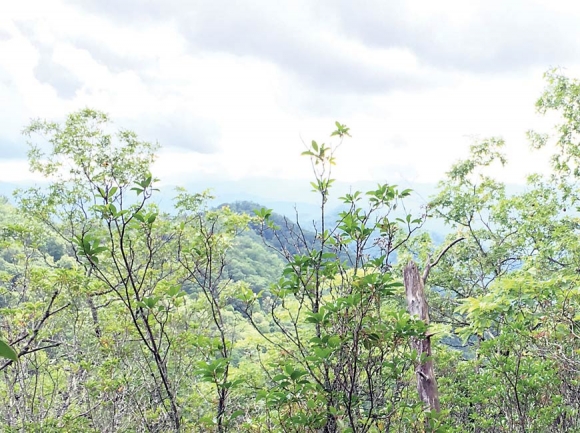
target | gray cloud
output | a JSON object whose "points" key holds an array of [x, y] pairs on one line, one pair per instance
{"points": [[60, 78], [47, 71], [287, 35], [319, 65], [175, 130], [496, 36], [129, 11], [107, 57], [289, 38]]}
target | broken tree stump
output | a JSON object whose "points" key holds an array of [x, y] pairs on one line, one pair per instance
{"points": [[417, 306]]}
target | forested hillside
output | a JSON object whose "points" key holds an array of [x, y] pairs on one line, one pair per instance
{"points": [[118, 317]]}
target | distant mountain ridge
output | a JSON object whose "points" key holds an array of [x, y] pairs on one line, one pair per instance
{"points": [[290, 236]]}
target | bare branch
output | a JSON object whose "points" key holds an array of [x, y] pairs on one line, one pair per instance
{"points": [[47, 313], [430, 265]]}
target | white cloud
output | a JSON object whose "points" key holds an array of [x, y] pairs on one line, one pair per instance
{"points": [[16, 172], [233, 97]]}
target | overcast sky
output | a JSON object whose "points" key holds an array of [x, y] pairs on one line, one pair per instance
{"points": [[230, 88]]}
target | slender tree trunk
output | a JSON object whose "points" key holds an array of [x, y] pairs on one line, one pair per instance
{"points": [[417, 306], [93, 308], [94, 315]]}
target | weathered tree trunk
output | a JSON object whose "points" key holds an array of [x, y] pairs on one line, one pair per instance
{"points": [[417, 306]]}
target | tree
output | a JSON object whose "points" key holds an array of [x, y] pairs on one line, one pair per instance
{"points": [[343, 339], [509, 291], [115, 239], [203, 240], [100, 202]]}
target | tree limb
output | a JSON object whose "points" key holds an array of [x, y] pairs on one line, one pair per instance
{"points": [[430, 265]]}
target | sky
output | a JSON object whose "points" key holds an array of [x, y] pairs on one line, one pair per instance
{"points": [[233, 89]]}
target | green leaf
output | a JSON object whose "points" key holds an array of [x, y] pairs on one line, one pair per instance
{"points": [[237, 413], [7, 352], [137, 190], [297, 374], [139, 217], [173, 290], [113, 191], [98, 250]]}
